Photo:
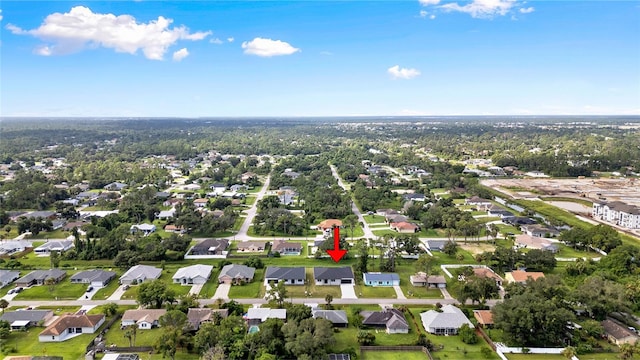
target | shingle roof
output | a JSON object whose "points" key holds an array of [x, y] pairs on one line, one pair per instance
{"points": [[94, 275], [279, 245], [237, 271], [332, 273], [520, 276], [42, 275], [390, 318], [194, 271], [381, 277], [147, 315], [450, 317], [285, 273], [484, 317], [335, 316], [8, 275], [142, 271], [67, 321], [616, 330], [25, 315], [55, 244]]}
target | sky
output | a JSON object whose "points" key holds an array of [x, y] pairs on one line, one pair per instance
{"points": [[319, 58]]}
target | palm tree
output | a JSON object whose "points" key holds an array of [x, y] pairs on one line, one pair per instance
{"points": [[3, 304]]}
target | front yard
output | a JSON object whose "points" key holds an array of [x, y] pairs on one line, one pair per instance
{"points": [[65, 290]]}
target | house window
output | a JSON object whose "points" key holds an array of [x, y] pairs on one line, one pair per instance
{"points": [[78, 330]]}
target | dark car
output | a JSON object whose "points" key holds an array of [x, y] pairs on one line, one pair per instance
{"points": [[18, 290], [90, 288]]}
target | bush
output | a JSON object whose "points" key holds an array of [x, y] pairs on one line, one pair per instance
{"points": [[468, 335], [486, 352]]}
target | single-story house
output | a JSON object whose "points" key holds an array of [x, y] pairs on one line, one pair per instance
{"points": [[413, 197], [395, 218], [520, 276], [245, 177], [38, 277], [14, 246], [333, 275], [534, 242], [97, 278], [519, 221], [115, 186], [193, 275], [436, 245], [238, 187], [381, 279], [329, 224], [74, 224], [405, 227], [191, 187], [385, 212], [446, 322], [197, 316], [339, 357], [485, 272], [256, 316], [499, 211], [166, 214], [251, 246], [54, 245], [392, 320], [210, 247], [145, 229], [218, 187], [68, 326], [140, 273], [290, 275], [478, 202], [236, 274], [537, 230], [291, 174], [617, 333], [337, 317], [144, 318], [432, 281], [8, 276], [23, 319], [174, 229], [201, 203], [484, 317], [286, 248], [120, 356]]}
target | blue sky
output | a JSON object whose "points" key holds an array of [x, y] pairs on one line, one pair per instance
{"points": [[319, 58]]}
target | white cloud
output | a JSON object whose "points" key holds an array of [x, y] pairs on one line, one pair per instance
{"points": [[432, 17], [81, 28], [216, 41], [482, 8], [230, 39], [180, 54], [527, 10], [43, 50], [0, 14], [326, 53], [267, 47], [429, 2], [397, 72], [424, 13]]}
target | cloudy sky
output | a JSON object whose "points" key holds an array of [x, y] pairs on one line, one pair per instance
{"points": [[319, 58]]}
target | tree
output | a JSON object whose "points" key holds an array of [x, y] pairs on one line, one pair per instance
{"points": [[628, 350], [255, 262], [312, 337], [153, 294], [110, 309], [425, 264], [297, 312], [450, 248], [54, 258], [539, 260], [328, 299], [51, 283], [214, 353], [350, 221], [3, 304], [468, 335], [601, 296], [278, 294], [130, 333], [366, 338], [172, 324]]}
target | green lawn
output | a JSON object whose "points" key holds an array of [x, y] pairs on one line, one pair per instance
{"points": [[569, 252], [375, 292], [312, 289], [601, 356], [26, 343], [374, 219], [115, 335], [253, 290], [65, 290], [56, 234], [210, 286], [393, 355], [106, 291], [540, 357]]}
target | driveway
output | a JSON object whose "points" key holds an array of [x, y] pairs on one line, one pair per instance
{"points": [[89, 294], [399, 293], [195, 289], [348, 291], [222, 292], [118, 293]]}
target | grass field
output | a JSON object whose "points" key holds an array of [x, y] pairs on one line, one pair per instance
{"points": [[375, 292], [374, 219], [26, 343], [536, 357], [62, 291], [393, 355], [253, 290]]}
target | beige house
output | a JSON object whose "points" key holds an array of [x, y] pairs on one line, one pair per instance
{"points": [[521, 277], [251, 246], [618, 334]]}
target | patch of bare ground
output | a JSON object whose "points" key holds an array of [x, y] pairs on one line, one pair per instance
{"points": [[476, 247]]}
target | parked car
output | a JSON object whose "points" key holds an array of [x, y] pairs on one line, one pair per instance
{"points": [[126, 287], [18, 290], [11, 291], [90, 288]]}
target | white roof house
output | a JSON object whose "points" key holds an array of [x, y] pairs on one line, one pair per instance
{"points": [[446, 322], [140, 273], [54, 245], [194, 274], [146, 229], [262, 314]]}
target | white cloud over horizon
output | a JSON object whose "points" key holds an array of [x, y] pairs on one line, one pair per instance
{"points": [[267, 47], [527, 10], [81, 28], [180, 54], [481, 9], [397, 72], [0, 14]]}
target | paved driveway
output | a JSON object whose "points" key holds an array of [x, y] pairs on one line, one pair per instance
{"points": [[195, 289], [222, 292], [89, 294], [348, 291], [399, 293], [118, 293]]}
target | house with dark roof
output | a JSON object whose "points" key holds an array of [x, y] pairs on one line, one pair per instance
{"points": [[381, 279], [392, 320], [436, 245], [39, 277], [20, 320], [413, 197], [333, 275], [97, 278], [500, 212], [69, 326], [286, 247], [537, 230], [198, 316], [617, 333], [337, 317], [289, 275], [210, 247], [8, 276], [236, 274], [445, 322]]}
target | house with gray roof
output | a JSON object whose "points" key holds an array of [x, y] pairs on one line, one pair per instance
{"points": [[333, 275], [392, 320], [145, 229], [236, 274], [446, 322], [381, 279], [8, 276], [14, 246], [54, 245], [210, 247], [290, 275], [96, 278], [194, 274], [197, 316], [337, 317], [256, 316], [38, 277], [140, 273], [115, 186], [23, 319]]}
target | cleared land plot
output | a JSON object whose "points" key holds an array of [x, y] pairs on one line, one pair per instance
{"points": [[393, 355]]}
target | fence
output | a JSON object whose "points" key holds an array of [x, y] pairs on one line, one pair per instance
{"points": [[397, 348], [486, 337], [104, 330]]}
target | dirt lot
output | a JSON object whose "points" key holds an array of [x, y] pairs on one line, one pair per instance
{"points": [[593, 189], [476, 248]]}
